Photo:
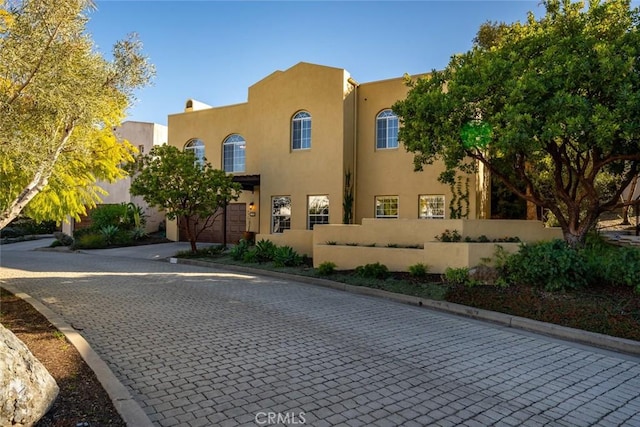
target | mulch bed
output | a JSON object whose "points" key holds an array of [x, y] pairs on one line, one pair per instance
{"points": [[82, 401], [608, 310]]}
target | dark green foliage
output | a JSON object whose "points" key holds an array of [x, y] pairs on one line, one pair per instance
{"points": [[63, 239], [91, 240], [327, 268], [108, 215], [265, 250], [449, 236], [549, 106], [457, 276], [109, 232], [11, 232], [373, 271], [285, 256], [419, 270], [250, 256], [553, 266], [238, 251]]}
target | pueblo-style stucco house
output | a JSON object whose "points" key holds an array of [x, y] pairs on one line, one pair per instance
{"points": [[310, 144]]}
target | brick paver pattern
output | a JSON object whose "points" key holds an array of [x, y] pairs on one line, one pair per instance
{"points": [[203, 347]]}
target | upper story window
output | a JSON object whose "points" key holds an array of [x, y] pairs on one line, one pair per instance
{"points": [[233, 149], [386, 130], [301, 131], [196, 146]]}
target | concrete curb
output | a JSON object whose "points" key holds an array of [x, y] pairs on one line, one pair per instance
{"points": [[556, 331], [130, 411]]}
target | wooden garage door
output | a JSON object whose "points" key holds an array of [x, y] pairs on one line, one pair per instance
{"points": [[236, 223]]}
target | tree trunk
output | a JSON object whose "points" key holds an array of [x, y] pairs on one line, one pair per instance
{"points": [[37, 184], [191, 235], [625, 210]]}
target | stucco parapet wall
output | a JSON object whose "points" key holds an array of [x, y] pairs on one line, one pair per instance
{"points": [[407, 232], [437, 255]]}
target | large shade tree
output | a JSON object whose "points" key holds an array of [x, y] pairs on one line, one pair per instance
{"points": [[190, 191], [550, 106], [60, 101]]}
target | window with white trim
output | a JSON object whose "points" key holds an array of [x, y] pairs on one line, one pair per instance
{"points": [[301, 131], [386, 130], [431, 206], [233, 153], [196, 147], [386, 206], [317, 210], [280, 214]]}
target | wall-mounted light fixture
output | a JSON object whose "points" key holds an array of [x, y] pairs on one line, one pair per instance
{"points": [[252, 207]]}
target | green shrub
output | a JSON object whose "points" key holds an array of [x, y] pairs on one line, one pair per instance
{"points": [[621, 265], [63, 239], [109, 232], [265, 250], [11, 232], [419, 270], [449, 236], [551, 265], [285, 256], [373, 271], [108, 215], [55, 244], [250, 256], [238, 251], [327, 268], [457, 276], [90, 241], [138, 233]]}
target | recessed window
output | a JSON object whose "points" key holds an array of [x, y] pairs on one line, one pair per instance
{"points": [[280, 214], [301, 131], [318, 211], [196, 147], [386, 130], [386, 206], [233, 153], [431, 206]]}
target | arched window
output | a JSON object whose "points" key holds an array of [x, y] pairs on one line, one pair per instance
{"points": [[196, 146], [301, 131], [233, 149], [386, 130]]}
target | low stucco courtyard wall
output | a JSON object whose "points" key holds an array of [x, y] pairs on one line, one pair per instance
{"points": [[414, 241], [300, 240]]}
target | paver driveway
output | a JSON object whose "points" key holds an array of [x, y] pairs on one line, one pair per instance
{"points": [[200, 347]]}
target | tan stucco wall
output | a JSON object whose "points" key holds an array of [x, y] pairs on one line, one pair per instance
{"points": [[390, 172], [138, 134], [331, 242], [265, 123], [339, 143]]}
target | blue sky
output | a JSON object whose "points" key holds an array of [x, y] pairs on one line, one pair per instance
{"points": [[213, 51]]}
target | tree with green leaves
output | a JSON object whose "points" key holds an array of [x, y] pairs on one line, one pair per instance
{"points": [[60, 101], [192, 192], [548, 106]]}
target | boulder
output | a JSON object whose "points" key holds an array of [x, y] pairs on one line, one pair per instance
{"points": [[27, 390]]}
